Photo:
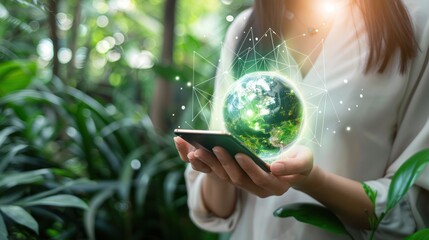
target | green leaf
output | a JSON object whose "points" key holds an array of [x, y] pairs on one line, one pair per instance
{"points": [[28, 96], [16, 149], [420, 235], [20, 216], [313, 214], [16, 75], [56, 190], [171, 183], [372, 195], [405, 177], [3, 230], [14, 179], [91, 213], [147, 171], [5, 133], [126, 177], [61, 200]]}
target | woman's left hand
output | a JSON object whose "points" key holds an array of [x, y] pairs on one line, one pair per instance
{"points": [[289, 170]]}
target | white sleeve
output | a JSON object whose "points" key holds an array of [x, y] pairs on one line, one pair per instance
{"points": [[198, 212], [412, 135]]}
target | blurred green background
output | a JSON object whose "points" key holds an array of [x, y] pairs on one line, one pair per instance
{"points": [[90, 91]]}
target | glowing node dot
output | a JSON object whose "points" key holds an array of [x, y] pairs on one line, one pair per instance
{"points": [[177, 78], [236, 37], [183, 107], [320, 112], [173, 114], [357, 105], [136, 164], [346, 81], [349, 109], [341, 102], [348, 129], [181, 88], [189, 84], [256, 39], [334, 132], [229, 18], [361, 95]]}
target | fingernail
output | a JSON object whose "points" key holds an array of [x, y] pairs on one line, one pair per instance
{"points": [[278, 167], [216, 151], [190, 155], [238, 157]]}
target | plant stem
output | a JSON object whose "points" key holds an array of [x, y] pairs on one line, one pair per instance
{"points": [[371, 237]]}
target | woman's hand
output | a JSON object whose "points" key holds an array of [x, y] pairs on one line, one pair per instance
{"points": [[289, 170], [201, 160], [219, 196], [186, 153]]}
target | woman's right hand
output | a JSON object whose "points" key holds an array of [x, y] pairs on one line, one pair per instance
{"points": [[186, 153], [218, 194], [201, 160]]}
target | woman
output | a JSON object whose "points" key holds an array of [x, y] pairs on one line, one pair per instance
{"points": [[371, 58]]}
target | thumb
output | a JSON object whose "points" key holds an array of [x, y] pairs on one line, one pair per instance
{"points": [[298, 160], [279, 168]]}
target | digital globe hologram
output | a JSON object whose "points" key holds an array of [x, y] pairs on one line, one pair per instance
{"points": [[265, 111]]}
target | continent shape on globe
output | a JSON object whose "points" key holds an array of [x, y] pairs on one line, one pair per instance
{"points": [[265, 112]]}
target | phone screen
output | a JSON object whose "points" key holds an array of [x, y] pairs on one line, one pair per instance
{"points": [[209, 139]]}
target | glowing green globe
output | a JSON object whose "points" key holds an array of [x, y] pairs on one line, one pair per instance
{"points": [[265, 112]]}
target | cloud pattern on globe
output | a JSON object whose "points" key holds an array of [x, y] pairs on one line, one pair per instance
{"points": [[265, 112]]}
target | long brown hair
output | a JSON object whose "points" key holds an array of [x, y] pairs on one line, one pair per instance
{"points": [[388, 25]]}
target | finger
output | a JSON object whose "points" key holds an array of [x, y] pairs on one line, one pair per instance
{"points": [[183, 148], [197, 164], [236, 174], [297, 161], [228, 163], [261, 178], [211, 161]]}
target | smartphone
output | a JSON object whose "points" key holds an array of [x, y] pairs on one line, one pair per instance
{"points": [[209, 139]]}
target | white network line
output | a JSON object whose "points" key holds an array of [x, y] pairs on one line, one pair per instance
{"points": [[317, 102]]}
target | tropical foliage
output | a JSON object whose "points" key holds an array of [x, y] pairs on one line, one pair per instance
{"points": [[402, 181], [79, 155]]}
